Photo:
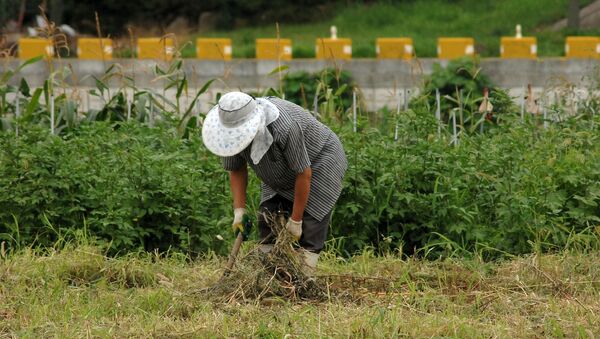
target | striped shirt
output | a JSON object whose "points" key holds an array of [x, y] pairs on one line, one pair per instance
{"points": [[299, 141]]}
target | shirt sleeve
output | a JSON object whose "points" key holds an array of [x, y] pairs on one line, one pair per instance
{"points": [[233, 163], [295, 152]]}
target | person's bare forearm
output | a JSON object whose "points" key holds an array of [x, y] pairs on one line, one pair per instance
{"points": [[301, 192], [238, 181]]}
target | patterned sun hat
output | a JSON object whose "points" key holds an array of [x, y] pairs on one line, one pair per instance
{"points": [[231, 125]]}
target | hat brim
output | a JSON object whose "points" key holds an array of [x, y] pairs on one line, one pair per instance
{"points": [[225, 141]]}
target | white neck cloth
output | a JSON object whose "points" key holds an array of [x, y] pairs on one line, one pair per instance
{"points": [[263, 139]]}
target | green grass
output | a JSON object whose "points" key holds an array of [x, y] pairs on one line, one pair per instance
{"points": [[424, 21], [77, 292]]}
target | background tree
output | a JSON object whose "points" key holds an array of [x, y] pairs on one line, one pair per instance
{"points": [[573, 17], [117, 15]]}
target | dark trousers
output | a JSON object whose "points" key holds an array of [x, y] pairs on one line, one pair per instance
{"points": [[314, 232]]}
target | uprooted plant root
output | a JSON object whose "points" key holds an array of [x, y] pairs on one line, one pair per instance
{"points": [[279, 273]]}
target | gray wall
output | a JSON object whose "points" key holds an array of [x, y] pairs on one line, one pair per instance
{"points": [[377, 79]]}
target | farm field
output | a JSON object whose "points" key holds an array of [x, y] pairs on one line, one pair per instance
{"points": [[454, 220], [78, 292], [446, 178], [464, 212]]}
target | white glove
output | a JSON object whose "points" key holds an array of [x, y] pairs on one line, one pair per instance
{"points": [[238, 215], [294, 227]]}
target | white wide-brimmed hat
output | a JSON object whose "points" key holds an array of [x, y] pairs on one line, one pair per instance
{"points": [[237, 120]]}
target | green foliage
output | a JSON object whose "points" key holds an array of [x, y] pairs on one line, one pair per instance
{"points": [[514, 190], [506, 191], [332, 88], [461, 86], [133, 186], [142, 179], [146, 106], [460, 74]]}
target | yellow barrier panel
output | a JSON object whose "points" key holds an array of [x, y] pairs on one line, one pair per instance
{"points": [[582, 47], [213, 48], [327, 48], [155, 48], [274, 49], [34, 47], [94, 49], [395, 48], [518, 48], [452, 48]]}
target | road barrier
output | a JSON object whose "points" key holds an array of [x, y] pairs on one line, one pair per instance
{"points": [[34, 47], [518, 47], [333, 48], [94, 49], [213, 48], [394, 48], [155, 48], [326, 48], [274, 49], [452, 48], [582, 47]]}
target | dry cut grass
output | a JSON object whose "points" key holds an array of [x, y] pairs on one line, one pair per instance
{"points": [[279, 273], [79, 292]]}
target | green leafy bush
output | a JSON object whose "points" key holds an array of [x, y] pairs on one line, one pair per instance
{"points": [[332, 88], [515, 190], [507, 191], [149, 183], [461, 86], [464, 76], [134, 186]]}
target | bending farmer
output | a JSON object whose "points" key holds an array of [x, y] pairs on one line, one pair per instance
{"points": [[300, 162]]}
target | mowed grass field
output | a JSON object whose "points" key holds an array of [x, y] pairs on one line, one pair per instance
{"points": [[422, 20], [78, 292]]}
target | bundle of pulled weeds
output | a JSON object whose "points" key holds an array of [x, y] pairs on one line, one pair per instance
{"points": [[278, 273]]}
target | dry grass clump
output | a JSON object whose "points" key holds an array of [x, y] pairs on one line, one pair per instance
{"points": [[279, 273], [79, 267], [90, 268]]}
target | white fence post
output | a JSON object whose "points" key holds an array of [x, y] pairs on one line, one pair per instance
{"points": [[128, 106], [438, 112], [316, 101], [151, 113], [52, 113], [545, 112], [397, 115], [17, 114], [460, 107], [454, 133], [354, 110], [587, 104]]}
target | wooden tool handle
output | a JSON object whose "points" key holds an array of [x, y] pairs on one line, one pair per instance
{"points": [[234, 251]]}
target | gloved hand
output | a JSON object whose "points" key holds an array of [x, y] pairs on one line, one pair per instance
{"points": [[241, 222], [295, 228]]}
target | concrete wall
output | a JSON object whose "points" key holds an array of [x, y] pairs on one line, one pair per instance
{"points": [[378, 80]]}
